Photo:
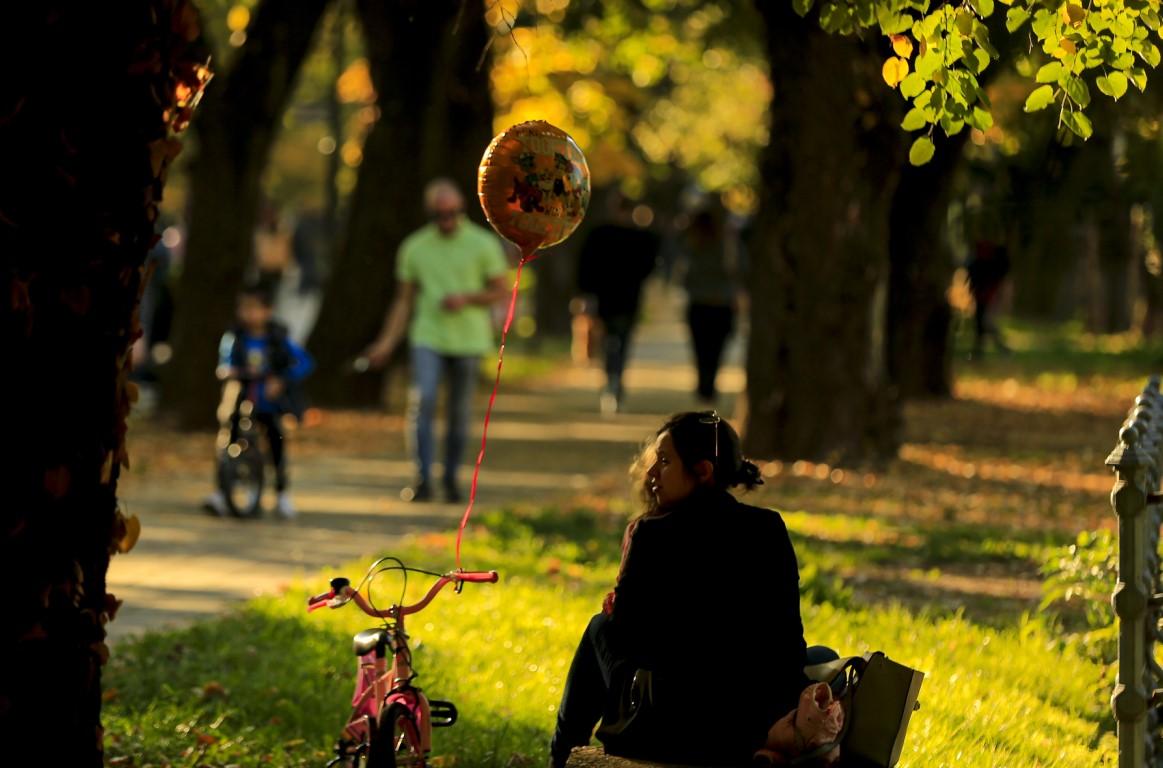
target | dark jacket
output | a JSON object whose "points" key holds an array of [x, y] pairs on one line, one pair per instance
{"points": [[709, 600], [280, 357], [614, 262]]}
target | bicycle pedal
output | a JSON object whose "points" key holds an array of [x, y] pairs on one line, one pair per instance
{"points": [[443, 714]]}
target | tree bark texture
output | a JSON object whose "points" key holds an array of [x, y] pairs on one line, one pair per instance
{"points": [[1043, 213], [236, 128], [920, 353], [1112, 209], [435, 119], [85, 138], [817, 378]]}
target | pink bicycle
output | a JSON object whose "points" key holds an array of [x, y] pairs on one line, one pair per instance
{"points": [[391, 719]]}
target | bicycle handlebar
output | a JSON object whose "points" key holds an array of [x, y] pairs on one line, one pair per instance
{"points": [[477, 577], [341, 593]]}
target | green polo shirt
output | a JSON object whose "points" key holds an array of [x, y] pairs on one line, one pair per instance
{"points": [[440, 265]]}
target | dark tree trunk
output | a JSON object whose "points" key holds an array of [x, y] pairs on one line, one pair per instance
{"points": [[817, 380], [1112, 209], [435, 120], [920, 354], [84, 144], [236, 128], [1044, 214]]}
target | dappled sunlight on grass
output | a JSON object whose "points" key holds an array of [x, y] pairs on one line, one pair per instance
{"points": [[936, 557], [270, 683]]}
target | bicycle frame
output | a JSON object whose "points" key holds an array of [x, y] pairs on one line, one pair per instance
{"points": [[379, 685]]}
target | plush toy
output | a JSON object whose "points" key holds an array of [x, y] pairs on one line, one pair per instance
{"points": [[815, 722]]}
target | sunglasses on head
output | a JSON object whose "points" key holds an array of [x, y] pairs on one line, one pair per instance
{"points": [[712, 419]]}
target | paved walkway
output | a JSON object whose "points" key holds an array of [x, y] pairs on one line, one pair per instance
{"points": [[546, 440]]}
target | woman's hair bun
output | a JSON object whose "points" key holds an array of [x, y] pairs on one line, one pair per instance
{"points": [[748, 475]]}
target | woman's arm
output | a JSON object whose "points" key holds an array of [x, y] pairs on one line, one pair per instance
{"points": [[639, 592], [784, 581]]}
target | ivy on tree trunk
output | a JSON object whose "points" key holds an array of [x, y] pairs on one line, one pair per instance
{"points": [[86, 133]]}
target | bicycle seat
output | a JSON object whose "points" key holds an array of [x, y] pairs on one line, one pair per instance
{"points": [[369, 640]]}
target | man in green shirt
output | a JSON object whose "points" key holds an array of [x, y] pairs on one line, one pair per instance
{"points": [[449, 273]]}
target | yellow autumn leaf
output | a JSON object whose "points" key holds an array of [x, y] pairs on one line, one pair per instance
{"points": [[132, 534], [902, 45], [1065, 48], [894, 70]]}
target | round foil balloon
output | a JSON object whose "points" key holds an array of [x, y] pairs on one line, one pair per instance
{"points": [[534, 185]]}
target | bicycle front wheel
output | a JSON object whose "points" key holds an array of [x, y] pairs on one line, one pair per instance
{"points": [[396, 742], [240, 478]]}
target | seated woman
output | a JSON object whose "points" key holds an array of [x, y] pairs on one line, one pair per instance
{"points": [[707, 599]]}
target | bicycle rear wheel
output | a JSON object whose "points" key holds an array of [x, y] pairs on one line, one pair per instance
{"points": [[396, 742]]}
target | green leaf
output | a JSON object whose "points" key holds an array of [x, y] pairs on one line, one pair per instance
{"points": [[984, 8], [1049, 73], [981, 119], [1079, 124], [1078, 91], [912, 85], [1043, 21], [1039, 99], [1139, 78], [1016, 17], [914, 120], [1091, 57], [927, 63], [891, 22], [922, 151], [980, 60], [957, 90], [982, 96], [981, 35], [1150, 55], [951, 125], [965, 22], [802, 6], [1113, 85]]}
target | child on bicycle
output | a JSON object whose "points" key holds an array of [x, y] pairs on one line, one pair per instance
{"points": [[707, 599], [258, 354]]}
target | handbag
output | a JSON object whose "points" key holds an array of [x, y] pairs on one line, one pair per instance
{"points": [[631, 723], [879, 697]]}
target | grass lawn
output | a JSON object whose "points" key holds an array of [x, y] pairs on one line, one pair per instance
{"points": [[934, 558]]}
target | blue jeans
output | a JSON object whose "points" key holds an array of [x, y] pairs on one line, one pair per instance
{"points": [[428, 367]]}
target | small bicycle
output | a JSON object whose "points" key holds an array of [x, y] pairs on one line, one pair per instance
{"points": [[241, 462], [391, 720]]}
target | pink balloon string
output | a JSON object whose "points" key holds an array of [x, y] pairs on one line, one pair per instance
{"points": [[472, 494]]}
